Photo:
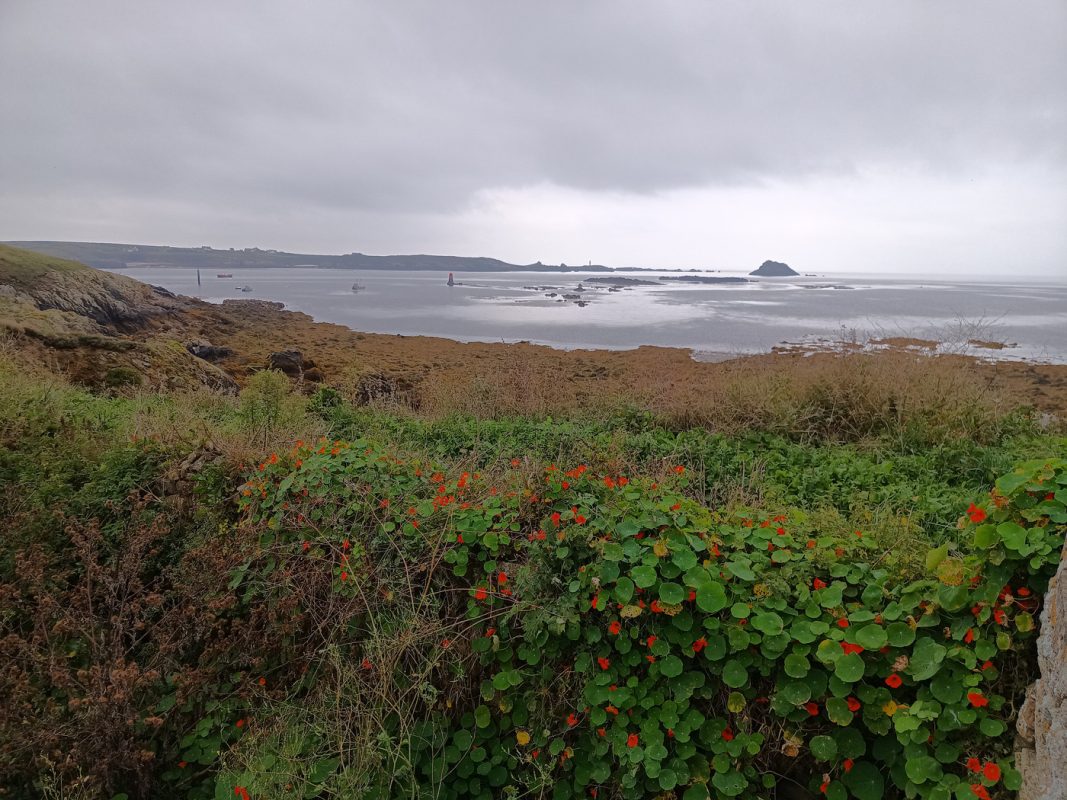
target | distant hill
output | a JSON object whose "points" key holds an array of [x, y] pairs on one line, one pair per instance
{"points": [[117, 256], [774, 269]]}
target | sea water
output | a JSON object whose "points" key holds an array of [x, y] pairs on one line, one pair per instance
{"points": [[713, 320]]}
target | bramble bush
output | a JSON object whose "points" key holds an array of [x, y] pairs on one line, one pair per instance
{"points": [[571, 634]]}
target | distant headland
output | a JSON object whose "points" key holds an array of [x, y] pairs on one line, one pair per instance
{"points": [[107, 255]]}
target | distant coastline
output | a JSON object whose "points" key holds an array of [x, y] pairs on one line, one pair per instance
{"points": [[108, 255]]}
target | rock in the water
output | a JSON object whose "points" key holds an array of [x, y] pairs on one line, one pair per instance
{"points": [[1041, 754], [774, 269]]}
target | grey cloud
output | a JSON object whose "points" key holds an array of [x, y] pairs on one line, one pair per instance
{"points": [[412, 108]]}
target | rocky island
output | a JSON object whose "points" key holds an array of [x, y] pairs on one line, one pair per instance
{"points": [[774, 269]]}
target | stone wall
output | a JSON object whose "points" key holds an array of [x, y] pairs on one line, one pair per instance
{"points": [[1041, 753]]}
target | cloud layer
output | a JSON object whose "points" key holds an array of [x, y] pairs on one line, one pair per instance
{"points": [[667, 134]]}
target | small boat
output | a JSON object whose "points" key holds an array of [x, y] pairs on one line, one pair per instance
{"points": [[244, 288], [358, 287], [451, 280], [224, 275]]}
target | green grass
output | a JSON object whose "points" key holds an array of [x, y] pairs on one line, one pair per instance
{"points": [[20, 268], [125, 542]]}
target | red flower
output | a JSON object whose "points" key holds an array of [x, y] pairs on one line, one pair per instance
{"points": [[182, 764], [601, 732], [344, 575], [481, 593], [651, 640], [676, 506], [603, 662], [631, 740], [262, 681], [366, 664], [824, 786], [240, 791], [240, 723], [987, 665], [502, 578], [555, 518], [679, 470], [780, 531], [595, 601], [611, 710], [991, 772], [623, 481], [979, 791], [999, 616], [853, 704], [818, 584], [893, 681], [842, 623], [579, 519], [572, 720], [850, 648], [692, 595], [459, 538], [977, 699], [847, 764], [811, 544], [345, 545], [728, 735], [656, 608], [307, 546], [975, 513], [700, 644], [446, 643], [812, 708], [973, 764], [614, 628]]}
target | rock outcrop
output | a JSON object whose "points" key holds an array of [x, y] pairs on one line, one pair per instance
{"points": [[1041, 753], [774, 269]]}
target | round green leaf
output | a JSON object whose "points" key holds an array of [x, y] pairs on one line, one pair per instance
{"points": [[849, 668], [823, 748], [872, 637]]}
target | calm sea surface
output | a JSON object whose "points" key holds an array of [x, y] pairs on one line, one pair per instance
{"points": [[712, 320]]}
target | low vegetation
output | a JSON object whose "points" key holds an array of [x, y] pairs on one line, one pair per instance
{"points": [[279, 595]]}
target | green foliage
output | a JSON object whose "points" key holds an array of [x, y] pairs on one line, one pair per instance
{"points": [[632, 641]]}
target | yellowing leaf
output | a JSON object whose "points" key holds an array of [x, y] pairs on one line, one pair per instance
{"points": [[522, 737]]}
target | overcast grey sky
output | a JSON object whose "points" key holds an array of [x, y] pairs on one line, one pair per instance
{"points": [[836, 135]]}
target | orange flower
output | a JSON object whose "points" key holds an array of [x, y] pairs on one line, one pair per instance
{"points": [[679, 470], [977, 699], [611, 710], [976, 513], [632, 740], [262, 681]]}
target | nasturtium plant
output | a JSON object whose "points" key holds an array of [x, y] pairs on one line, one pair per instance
{"points": [[604, 635]]}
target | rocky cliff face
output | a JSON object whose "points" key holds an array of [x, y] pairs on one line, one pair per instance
{"points": [[1042, 746]]}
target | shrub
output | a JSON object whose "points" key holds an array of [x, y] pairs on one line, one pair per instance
{"points": [[597, 635]]}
